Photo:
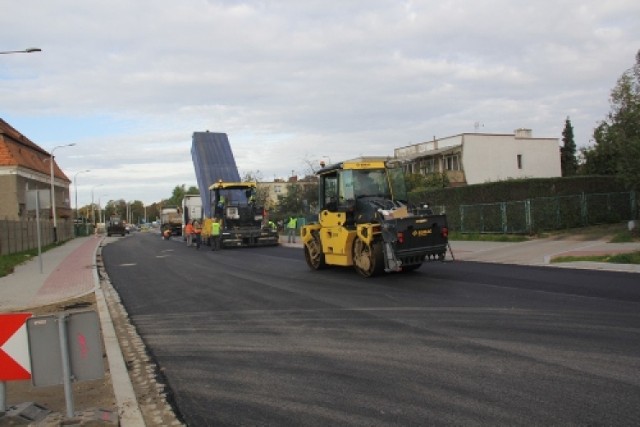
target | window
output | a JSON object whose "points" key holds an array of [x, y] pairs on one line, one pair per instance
{"points": [[519, 161], [427, 166], [452, 163], [329, 188], [431, 165]]}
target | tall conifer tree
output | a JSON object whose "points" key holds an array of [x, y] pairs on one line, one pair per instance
{"points": [[568, 161]]}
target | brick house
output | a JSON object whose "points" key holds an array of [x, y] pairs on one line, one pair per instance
{"points": [[25, 166]]}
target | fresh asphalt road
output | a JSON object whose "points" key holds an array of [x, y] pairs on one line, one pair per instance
{"points": [[253, 337]]}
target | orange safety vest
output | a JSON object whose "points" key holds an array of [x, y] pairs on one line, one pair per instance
{"points": [[188, 229]]}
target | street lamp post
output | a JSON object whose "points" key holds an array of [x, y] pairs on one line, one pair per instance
{"points": [[101, 215], [53, 191], [75, 188], [93, 207], [27, 50]]}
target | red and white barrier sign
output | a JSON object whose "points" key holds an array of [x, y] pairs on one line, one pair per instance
{"points": [[14, 347]]}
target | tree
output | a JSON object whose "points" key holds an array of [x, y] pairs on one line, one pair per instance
{"points": [[617, 138], [437, 180], [309, 193], [136, 211], [291, 203], [153, 211], [420, 182], [262, 192], [252, 176], [415, 181], [568, 160], [176, 196]]}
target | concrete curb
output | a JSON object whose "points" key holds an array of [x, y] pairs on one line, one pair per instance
{"points": [[128, 409]]}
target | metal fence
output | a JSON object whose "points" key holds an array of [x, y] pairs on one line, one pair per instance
{"points": [[545, 213], [22, 235]]}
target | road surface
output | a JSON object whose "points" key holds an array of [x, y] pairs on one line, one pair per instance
{"points": [[253, 337]]}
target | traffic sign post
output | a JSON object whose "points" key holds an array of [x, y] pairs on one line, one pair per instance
{"points": [[37, 199], [50, 350], [65, 347], [14, 352]]}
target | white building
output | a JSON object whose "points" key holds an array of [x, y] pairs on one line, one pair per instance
{"points": [[474, 158]]}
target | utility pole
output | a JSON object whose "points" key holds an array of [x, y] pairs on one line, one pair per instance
{"points": [[53, 191]]}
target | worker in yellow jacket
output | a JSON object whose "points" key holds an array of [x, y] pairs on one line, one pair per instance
{"points": [[292, 225], [215, 234]]}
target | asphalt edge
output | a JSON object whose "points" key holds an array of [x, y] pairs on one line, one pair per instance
{"points": [[128, 408]]}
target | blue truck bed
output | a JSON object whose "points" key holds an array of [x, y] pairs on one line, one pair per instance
{"points": [[212, 160]]}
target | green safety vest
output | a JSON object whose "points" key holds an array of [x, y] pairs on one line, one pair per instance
{"points": [[215, 228], [293, 222]]}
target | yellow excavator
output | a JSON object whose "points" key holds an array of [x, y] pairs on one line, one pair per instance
{"points": [[366, 222]]}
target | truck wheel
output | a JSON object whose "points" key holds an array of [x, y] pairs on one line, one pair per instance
{"points": [[313, 253], [368, 260]]}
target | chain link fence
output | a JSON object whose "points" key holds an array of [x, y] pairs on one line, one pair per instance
{"points": [[544, 213]]}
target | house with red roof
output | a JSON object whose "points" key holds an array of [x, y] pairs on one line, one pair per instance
{"points": [[25, 166]]}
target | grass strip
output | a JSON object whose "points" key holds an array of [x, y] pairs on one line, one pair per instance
{"points": [[626, 258], [9, 262], [482, 237]]}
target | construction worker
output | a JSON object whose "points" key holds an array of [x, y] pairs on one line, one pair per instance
{"points": [[215, 234], [291, 229], [188, 232], [220, 205], [197, 231], [251, 196], [166, 234]]}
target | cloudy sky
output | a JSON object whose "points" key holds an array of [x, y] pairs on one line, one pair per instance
{"points": [[296, 81]]}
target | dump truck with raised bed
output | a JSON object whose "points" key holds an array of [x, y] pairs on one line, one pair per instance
{"points": [[242, 221], [366, 222]]}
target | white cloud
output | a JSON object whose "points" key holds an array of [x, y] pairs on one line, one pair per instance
{"points": [[291, 81]]}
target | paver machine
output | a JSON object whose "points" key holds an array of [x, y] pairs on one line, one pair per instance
{"points": [[242, 221]]}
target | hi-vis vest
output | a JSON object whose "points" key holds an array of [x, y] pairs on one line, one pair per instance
{"points": [[215, 228], [293, 222]]}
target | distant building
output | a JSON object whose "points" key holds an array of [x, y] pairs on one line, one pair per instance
{"points": [[25, 166], [271, 191], [280, 188], [474, 158]]}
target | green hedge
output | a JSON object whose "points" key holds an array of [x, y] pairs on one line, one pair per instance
{"points": [[517, 189], [555, 203]]}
